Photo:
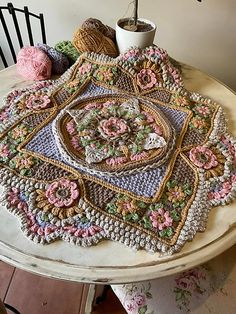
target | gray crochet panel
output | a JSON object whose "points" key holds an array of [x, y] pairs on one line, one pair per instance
{"points": [[137, 183]]}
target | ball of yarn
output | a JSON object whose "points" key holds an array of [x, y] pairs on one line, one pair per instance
{"points": [[86, 39], [110, 32], [60, 63], [94, 23], [98, 25], [33, 63], [66, 47]]}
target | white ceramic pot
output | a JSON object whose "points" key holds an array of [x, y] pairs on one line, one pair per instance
{"points": [[126, 39]]}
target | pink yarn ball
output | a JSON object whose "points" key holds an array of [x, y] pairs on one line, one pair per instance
{"points": [[33, 64]]}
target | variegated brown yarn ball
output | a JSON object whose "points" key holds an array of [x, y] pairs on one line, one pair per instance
{"points": [[98, 25], [87, 39], [110, 32], [95, 24]]}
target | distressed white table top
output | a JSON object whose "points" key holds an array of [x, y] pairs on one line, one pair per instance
{"points": [[111, 262]]}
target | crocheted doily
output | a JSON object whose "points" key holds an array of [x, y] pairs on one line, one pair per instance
{"points": [[115, 149]]}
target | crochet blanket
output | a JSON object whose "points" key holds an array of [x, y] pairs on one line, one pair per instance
{"points": [[115, 149]]}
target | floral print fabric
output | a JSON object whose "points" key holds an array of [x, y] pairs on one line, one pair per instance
{"points": [[209, 288]]}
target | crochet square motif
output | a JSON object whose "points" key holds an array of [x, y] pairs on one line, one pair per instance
{"points": [[115, 149]]}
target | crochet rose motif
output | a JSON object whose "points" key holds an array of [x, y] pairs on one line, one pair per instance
{"points": [[148, 75], [146, 79], [115, 133], [60, 198], [62, 193], [203, 157], [38, 102]]}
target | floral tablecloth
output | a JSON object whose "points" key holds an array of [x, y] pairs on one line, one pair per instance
{"points": [[207, 289]]}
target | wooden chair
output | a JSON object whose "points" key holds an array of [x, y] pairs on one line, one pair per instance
{"points": [[15, 26]]}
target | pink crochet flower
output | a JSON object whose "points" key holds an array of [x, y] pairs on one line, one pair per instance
{"points": [[229, 145], [175, 74], [43, 231], [4, 150], [233, 178], [217, 195], [148, 116], [19, 131], [107, 75], [24, 161], [75, 143], [157, 129], [94, 229], [210, 195], [116, 161], [93, 145], [30, 218], [161, 219], [226, 189], [198, 123], [140, 156], [70, 127], [108, 103], [14, 199], [151, 51], [155, 51], [131, 54], [93, 106], [62, 193], [82, 232], [203, 110], [113, 127], [181, 101], [37, 102], [13, 95], [85, 68], [203, 157], [146, 79], [40, 85], [4, 114]]}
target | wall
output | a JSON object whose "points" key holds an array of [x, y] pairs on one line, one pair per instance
{"points": [[200, 34]]}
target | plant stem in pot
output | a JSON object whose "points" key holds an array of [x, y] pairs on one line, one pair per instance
{"points": [[135, 12]]}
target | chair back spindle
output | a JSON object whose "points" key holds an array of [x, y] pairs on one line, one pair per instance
{"points": [[14, 18], [27, 20], [3, 58], [27, 15], [8, 37]]}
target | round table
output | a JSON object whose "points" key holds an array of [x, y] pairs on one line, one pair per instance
{"points": [[111, 262]]}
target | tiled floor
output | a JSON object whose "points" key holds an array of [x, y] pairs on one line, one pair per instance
{"points": [[32, 294]]}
